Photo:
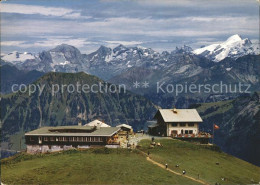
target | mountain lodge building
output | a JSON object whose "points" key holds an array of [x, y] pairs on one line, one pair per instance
{"points": [[49, 139], [176, 123]]}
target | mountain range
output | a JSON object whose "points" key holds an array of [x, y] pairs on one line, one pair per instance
{"points": [[127, 65], [189, 69], [106, 63], [17, 57]]}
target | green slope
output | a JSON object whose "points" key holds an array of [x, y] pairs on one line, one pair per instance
{"points": [[122, 166], [93, 166], [202, 159]]}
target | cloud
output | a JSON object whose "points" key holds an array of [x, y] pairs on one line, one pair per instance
{"points": [[40, 10], [49, 43], [12, 43], [88, 24], [127, 31], [79, 42], [185, 26], [126, 43], [119, 27], [197, 3]]}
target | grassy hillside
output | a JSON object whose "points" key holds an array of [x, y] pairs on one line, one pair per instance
{"points": [[122, 166], [198, 159], [95, 166]]}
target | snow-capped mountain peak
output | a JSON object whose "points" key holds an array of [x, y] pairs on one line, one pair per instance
{"points": [[233, 47], [183, 49], [17, 57], [233, 38], [119, 48]]}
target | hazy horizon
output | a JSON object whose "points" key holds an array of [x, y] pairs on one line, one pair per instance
{"points": [[161, 25]]}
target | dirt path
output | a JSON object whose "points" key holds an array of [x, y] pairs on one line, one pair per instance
{"points": [[174, 172]]}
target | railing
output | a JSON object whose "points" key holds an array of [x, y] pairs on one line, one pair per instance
{"points": [[200, 135], [113, 143]]}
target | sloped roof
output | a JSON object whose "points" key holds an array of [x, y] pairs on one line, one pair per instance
{"points": [[124, 125], [181, 115], [153, 125], [72, 127], [97, 123], [48, 131]]}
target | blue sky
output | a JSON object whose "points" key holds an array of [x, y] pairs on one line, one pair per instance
{"points": [[159, 24]]}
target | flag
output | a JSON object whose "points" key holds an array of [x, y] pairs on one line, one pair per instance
{"points": [[216, 127]]}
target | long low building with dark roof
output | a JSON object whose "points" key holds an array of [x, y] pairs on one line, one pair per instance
{"points": [[49, 139]]}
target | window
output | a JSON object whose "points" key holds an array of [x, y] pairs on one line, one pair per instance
{"points": [[97, 138], [31, 139], [51, 138], [84, 139], [45, 138], [70, 138], [186, 132], [191, 124], [174, 124], [190, 131], [183, 124]]}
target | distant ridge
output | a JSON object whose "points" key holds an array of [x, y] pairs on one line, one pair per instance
{"points": [[108, 62]]}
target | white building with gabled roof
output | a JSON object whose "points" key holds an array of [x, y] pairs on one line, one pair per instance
{"points": [[172, 122], [97, 123], [125, 127]]}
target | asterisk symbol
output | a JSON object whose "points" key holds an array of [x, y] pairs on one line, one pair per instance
{"points": [[136, 84], [145, 84]]}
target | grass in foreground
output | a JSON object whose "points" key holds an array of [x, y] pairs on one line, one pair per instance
{"points": [[201, 159], [93, 166]]}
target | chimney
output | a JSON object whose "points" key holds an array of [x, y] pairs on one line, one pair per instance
{"points": [[98, 125], [80, 123]]}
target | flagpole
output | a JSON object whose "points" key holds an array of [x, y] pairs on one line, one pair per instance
{"points": [[213, 135]]}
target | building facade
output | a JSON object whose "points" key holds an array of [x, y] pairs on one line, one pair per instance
{"points": [[50, 139], [176, 122]]}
